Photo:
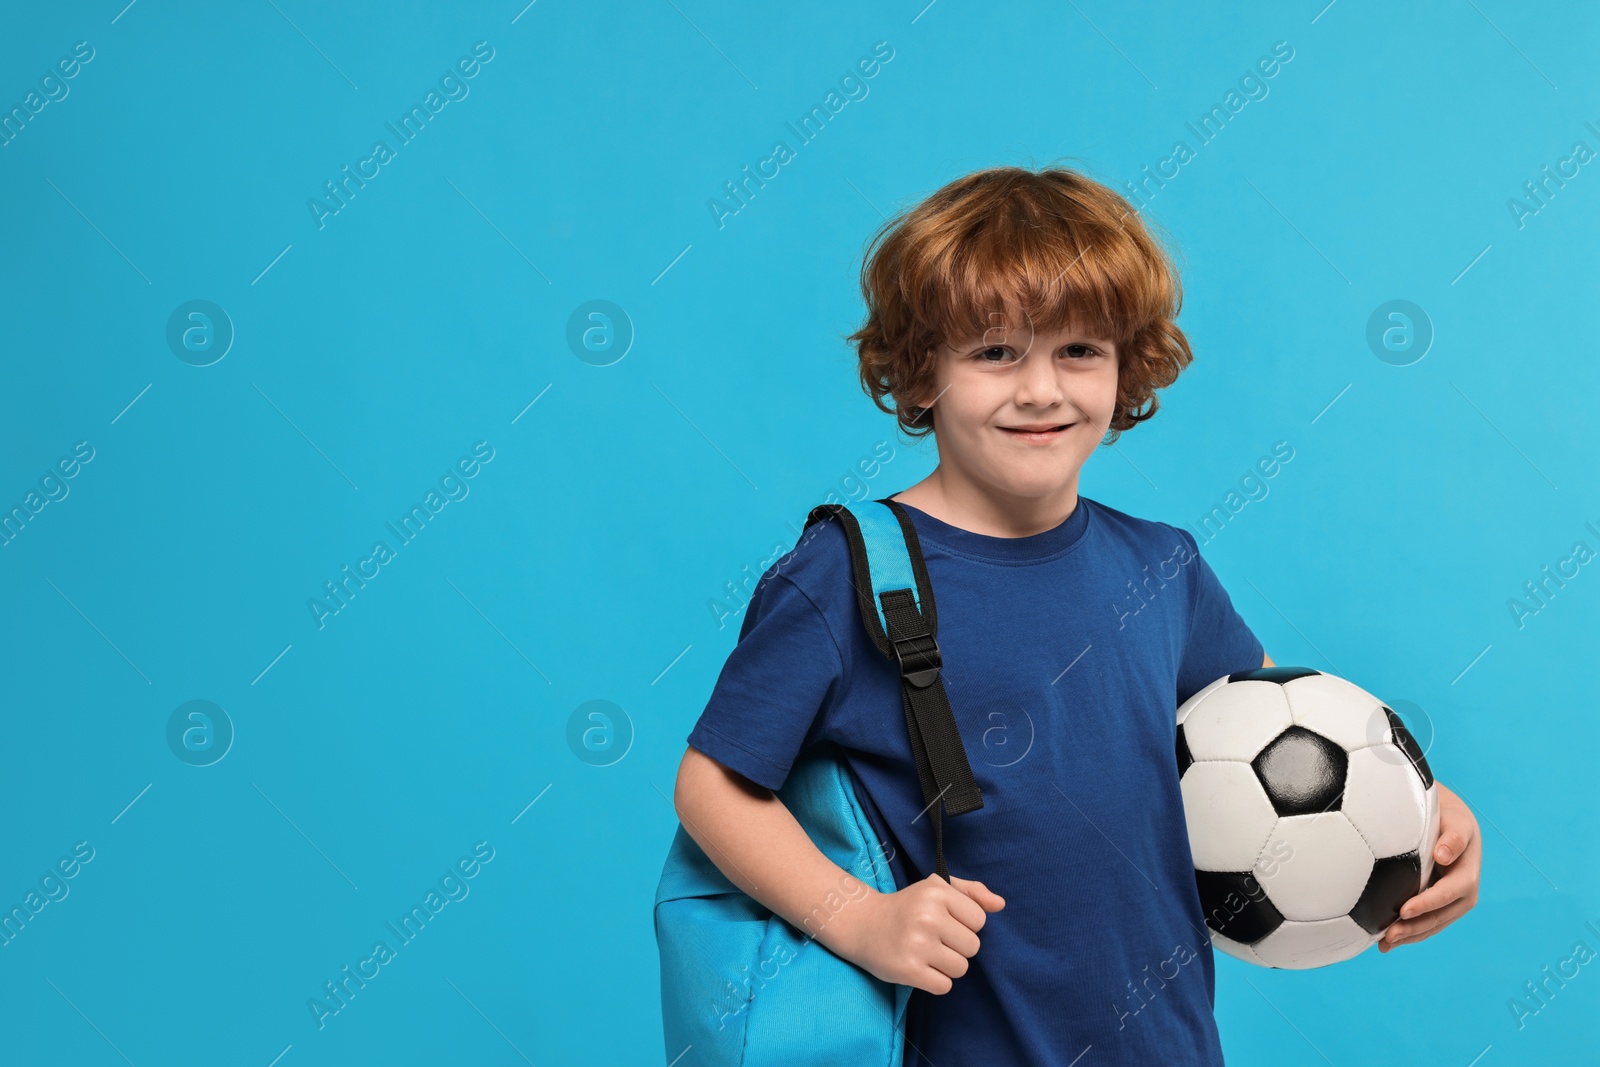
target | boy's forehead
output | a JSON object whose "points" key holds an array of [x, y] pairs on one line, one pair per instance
{"points": [[1009, 323]]}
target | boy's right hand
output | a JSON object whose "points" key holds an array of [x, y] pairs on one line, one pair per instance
{"points": [[923, 935]]}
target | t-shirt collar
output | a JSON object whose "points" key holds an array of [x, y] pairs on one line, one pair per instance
{"points": [[1032, 548]]}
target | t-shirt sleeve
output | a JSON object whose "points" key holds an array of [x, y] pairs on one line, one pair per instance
{"points": [[784, 671], [1219, 642]]}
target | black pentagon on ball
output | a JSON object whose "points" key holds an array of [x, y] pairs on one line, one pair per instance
{"points": [[1409, 746], [1272, 674], [1302, 772], [1184, 756], [1393, 882], [1236, 905]]}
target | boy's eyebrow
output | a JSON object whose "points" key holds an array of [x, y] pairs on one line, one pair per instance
{"points": [[976, 340]]}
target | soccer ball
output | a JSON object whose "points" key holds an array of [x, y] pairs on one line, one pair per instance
{"points": [[1312, 814]]}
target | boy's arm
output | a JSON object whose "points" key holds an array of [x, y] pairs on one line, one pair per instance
{"points": [[920, 936]]}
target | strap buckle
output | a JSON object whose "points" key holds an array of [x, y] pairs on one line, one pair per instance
{"points": [[919, 658]]}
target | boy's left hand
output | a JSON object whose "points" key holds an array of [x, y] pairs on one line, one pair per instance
{"points": [[1458, 856]]}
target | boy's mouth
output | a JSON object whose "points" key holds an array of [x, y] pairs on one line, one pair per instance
{"points": [[1038, 432]]}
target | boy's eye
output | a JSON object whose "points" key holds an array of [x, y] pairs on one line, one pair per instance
{"points": [[1002, 354]]}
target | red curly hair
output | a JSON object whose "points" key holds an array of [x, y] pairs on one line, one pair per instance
{"points": [[1052, 245]]}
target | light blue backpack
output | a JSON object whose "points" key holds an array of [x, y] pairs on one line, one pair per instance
{"points": [[742, 987]]}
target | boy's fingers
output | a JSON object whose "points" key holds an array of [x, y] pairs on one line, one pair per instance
{"points": [[1457, 828], [988, 898], [955, 935], [1451, 844], [1447, 887], [965, 911], [934, 981], [947, 961], [1428, 923], [1387, 946]]}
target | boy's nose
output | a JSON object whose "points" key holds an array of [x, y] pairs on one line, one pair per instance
{"points": [[1037, 382]]}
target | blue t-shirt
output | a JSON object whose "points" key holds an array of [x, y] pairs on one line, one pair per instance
{"points": [[1066, 655]]}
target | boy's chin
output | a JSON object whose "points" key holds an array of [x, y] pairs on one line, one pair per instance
{"points": [[1044, 481]]}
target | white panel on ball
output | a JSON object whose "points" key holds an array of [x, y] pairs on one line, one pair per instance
{"points": [[1195, 700], [1239, 726], [1383, 799], [1325, 870], [1341, 711], [1299, 945], [1232, 815]]}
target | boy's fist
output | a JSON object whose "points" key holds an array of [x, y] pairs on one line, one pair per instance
{"points": [[923, 935]]}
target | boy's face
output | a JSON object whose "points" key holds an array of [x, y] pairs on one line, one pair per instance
{"points": [[992, 388]]}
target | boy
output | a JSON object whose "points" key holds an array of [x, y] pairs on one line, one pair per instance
{"points": [[1019, 317]]}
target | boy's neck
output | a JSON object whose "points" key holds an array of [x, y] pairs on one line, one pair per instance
{"points": [[981, 510]]}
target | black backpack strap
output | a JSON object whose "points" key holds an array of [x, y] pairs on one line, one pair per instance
{"points": [[897, 608]]}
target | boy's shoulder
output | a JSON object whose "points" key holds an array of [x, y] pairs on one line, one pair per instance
{"points": [[818, 565], [818, 560]]}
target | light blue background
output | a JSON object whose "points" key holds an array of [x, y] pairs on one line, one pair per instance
{"points": [[431, 311]]}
